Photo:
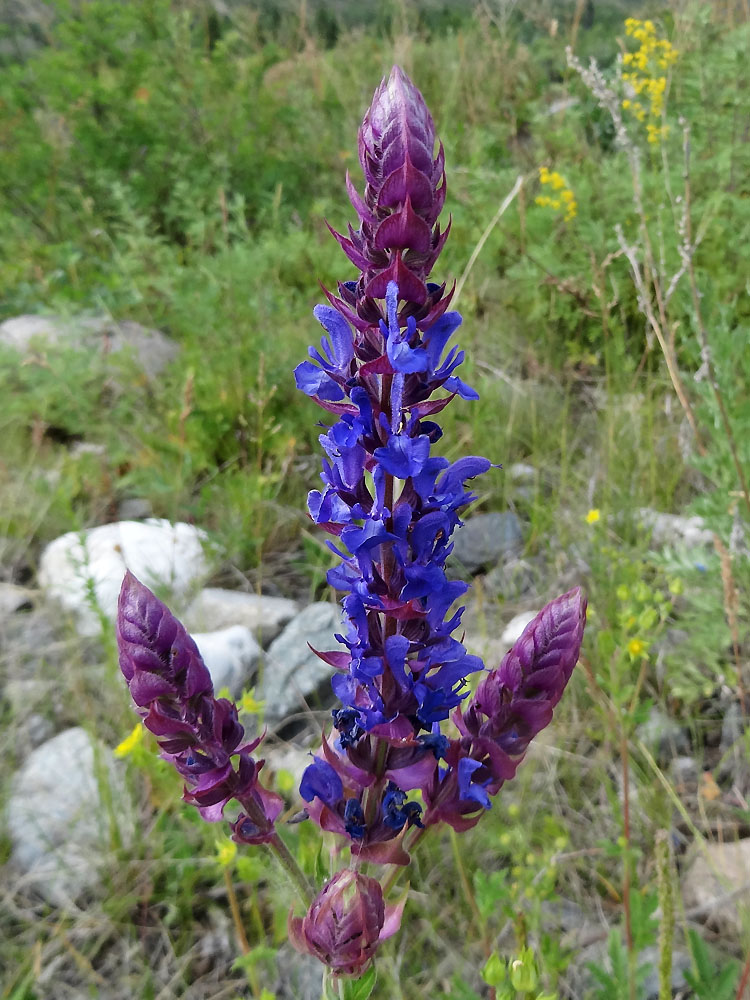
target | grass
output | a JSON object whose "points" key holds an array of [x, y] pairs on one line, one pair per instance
{"points": [[169, 165]]}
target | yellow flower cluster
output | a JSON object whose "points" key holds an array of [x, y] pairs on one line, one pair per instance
{"points": [[562, 198], [646, 79]]}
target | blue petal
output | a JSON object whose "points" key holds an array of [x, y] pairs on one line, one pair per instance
{"points": [[439, 334], [342, 342], [453, 479], [454, 384], [313, 381], [468, 790], [404, 456], [321, 781]]}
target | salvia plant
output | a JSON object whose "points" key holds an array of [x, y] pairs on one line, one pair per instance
{"points": [[413, 744]]}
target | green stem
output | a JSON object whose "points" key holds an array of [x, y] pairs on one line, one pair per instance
{"points": [[296, 876], [275, 844]]}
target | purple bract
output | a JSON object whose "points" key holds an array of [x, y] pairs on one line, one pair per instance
{"points": [[201, 735]]}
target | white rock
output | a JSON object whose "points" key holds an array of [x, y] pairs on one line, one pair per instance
{"points": [[514, 629], [57, 817], [674, 529], [14, 598], [215, 608], [81, 569], [521, 472], [718, 883], [231, 655]]}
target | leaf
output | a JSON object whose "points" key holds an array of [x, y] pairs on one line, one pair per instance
{"points": [[360, 989], [255, 955]]}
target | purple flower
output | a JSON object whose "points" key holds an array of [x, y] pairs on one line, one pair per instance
{"points": [[345, 923], [385, 370], [200, 734]]}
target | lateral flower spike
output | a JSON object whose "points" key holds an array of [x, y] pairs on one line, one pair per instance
{"points": [[512, 705], [199, 734]]}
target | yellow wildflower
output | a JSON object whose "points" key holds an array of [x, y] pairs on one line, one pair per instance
{"points": [[646, 77], [226, 851], [565, 201], [636, 648], [593, 516], [248, 703], [130, 743]]}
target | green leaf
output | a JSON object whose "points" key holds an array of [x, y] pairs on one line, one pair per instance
{"points": [[255, 955], [360, 989], [494, 972]]}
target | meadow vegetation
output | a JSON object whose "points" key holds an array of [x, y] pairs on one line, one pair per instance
{"points": [[172, 164]]}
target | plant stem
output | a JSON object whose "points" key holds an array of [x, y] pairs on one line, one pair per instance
{"points": [[234, 906], [666, 927], [625, 755], [292, 869], [395, 870], [472, 901], [744, 980], [275, 844]]}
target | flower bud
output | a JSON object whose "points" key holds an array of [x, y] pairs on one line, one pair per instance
{"points": [[345, 923], [399, 238]]}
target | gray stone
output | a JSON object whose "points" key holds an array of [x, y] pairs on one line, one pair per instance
{"points": [[83, 571], [716, 885], [31, 640], [675, 529], [521, 473], [215, 608], [685, 774], [286, 757], [292, 672], [732, 727], [664, 737], [25, 23], [734, 765], [151, 350], [29, 701], [484, 540], [79, 449], [562, 104], [488, 636], [580, 981], [299, 977], [57, 818], [681, 963], [231, 655], [512, 580], [134, 509]]}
